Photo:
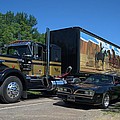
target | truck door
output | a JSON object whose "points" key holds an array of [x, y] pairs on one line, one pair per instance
{"points": [[38, 61], [55, 60]]}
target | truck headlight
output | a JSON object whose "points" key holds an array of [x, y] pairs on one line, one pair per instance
{"points": [[89, 92]]}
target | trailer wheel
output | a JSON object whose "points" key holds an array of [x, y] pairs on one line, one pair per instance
{"points": [[11, 89]]}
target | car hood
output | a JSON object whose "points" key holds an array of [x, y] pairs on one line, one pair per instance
{"points": [[85, 86]]}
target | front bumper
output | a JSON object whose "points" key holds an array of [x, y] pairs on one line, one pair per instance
{"points": [[93, 100]]}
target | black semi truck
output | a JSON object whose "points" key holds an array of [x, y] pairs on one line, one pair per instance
{"points": [[27, 65]]}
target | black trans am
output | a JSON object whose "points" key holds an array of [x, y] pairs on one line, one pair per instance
{"points": [[97, 89]]}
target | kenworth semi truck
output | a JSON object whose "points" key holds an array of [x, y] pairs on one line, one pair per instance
{"points": [[27, 65]]}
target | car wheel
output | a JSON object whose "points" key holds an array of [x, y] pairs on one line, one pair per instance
{"points": [[105, 101], [11, 89]]}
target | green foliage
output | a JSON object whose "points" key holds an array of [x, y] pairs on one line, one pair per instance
{"points": [[19, 26]]}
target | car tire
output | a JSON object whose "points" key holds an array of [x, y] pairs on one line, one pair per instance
{"points": [[105, 101], [11, 90]]}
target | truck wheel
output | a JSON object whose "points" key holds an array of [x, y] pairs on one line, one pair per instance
{"points": [[105, 101], [11, 89]]}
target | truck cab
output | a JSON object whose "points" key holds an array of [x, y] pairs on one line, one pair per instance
{"points": [[30, 57], [25, 61]]}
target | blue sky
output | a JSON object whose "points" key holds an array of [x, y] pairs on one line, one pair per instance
{"points": [[101, 17]]}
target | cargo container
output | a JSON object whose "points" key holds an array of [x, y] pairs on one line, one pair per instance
{"points": [[85, 51]]}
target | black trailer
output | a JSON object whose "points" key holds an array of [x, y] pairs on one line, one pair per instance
{"points": [[85, 51]]}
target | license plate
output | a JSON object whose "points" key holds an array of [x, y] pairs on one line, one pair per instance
{"points": [[71, 98]]}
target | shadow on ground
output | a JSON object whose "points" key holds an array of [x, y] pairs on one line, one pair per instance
{"points": [[60, 102], [75, 105], [114, 107], [39, 95]]}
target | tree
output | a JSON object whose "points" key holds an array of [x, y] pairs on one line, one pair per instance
{"points": [[19, 25]]}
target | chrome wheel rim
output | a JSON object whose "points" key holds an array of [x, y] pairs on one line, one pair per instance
{"points": [[106, 100], [13, 90]]}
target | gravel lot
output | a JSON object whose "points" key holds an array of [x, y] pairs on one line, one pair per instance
{"points": [[52, 108]]}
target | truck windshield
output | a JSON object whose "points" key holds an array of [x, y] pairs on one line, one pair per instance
{"points": [[99, 79], [18, 50]]}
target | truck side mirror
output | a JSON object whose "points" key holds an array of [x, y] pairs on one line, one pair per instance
{"points": [[35, 50]]}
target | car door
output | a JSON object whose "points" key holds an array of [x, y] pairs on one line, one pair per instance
{"points": [[116, 86]]}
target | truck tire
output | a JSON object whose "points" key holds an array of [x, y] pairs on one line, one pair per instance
{"points": [[105, 101], [11, 90]]}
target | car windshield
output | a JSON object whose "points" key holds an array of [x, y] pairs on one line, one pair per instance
{"points": [[18, 50], [99, 79]]}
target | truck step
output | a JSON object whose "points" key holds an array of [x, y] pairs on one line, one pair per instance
{"points": [[38, 89]]}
